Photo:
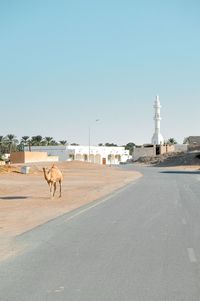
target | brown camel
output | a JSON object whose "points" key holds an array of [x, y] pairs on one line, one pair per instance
{"points": [[52, 176]]}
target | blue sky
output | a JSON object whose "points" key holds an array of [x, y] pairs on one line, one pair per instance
{"points": [[66, 63]]}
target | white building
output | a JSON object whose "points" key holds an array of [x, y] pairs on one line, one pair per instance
{"points": [[93, 154]]}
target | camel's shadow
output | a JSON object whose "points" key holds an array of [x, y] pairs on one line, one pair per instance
{"points": [[15, 197]]}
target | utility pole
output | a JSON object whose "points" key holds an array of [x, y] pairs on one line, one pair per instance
{"points": [[89, 140]]}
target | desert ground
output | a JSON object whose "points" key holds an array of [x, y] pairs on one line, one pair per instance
{"points": [[25, 199]]}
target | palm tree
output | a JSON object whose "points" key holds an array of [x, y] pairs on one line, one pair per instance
{"points": [[4, 145], [53, 142], [24, 141], [36, 140], [1, 144], [11, 142], [48, 140], [63, 142]]}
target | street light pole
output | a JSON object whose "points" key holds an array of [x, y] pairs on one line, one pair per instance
{"points": [[89, 140], [89, 146]]}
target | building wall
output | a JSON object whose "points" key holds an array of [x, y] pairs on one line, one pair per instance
{"points": [[166, 149], [193, 147], [180, 147], [17, 157], [143, 152], [57, 150], [162, 149], [52, 159], [98, 154], [31, 157], [35, 157], [192, 143]]}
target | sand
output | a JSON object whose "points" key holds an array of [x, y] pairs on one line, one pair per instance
{"points": [[25, 201]]}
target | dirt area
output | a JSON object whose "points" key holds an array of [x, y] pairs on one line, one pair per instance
{"points": [[25, 200]]}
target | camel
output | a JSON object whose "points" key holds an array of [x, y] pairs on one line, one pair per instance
{"points": [[52, 176]]}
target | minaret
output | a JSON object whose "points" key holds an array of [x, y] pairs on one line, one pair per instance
{"points": [[157, 137]]}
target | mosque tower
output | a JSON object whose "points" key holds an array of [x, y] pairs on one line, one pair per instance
{"points": [[157, 137]]}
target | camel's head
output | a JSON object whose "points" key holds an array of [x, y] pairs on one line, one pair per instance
{"points": [[46, 176], [45, 172]]}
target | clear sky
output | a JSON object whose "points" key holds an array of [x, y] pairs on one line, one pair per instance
{"points": [[66, 63]]}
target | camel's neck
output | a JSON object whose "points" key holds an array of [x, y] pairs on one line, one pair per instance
{"points": [[45, 175]]}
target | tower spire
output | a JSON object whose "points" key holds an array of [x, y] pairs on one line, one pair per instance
{"points": [[157, 137]]}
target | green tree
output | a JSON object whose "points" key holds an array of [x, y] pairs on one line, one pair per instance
{"points": [[2, 144], [36, 140], [48, 140], [25, 139], [24, 142], [171, 141], [11, 142], [53, 142], [63, 142], [110, 144], [130, 146]]}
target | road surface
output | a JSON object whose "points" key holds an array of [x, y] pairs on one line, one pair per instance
{"points": [[140, 243]]}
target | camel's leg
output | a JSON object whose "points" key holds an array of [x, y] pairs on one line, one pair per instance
{"points": [[60, 189], [54, 188], [50, 185]]}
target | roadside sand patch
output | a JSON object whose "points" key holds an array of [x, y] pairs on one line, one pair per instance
{"points": [[25, 201]]}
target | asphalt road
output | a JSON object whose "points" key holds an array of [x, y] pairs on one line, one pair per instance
{"points": [[141, 243]]}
